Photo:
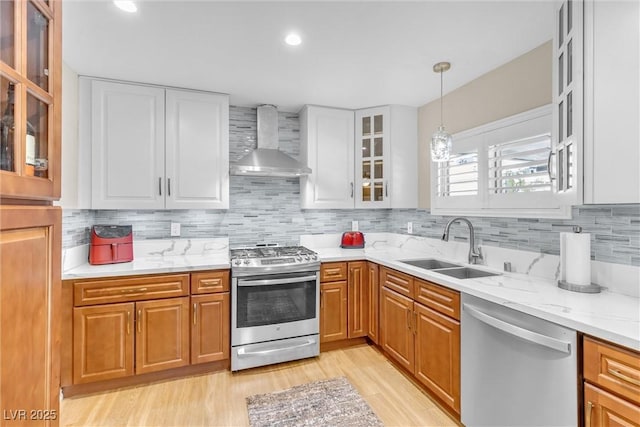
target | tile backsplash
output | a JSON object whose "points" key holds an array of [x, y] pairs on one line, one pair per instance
{"points": [[268, 210]]}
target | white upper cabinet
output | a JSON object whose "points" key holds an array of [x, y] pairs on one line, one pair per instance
{"points": [[612, 102], [157, 148], [127, 146], [367, 159], [197, 150], [327, 147], [567, 135]]}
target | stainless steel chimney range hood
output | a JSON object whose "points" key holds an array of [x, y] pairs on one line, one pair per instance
{"points": [[267, 159]]}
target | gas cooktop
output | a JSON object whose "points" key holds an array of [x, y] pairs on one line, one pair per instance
{"points": [[273, 259]]}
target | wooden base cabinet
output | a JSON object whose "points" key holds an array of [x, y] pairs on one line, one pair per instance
{"points": [[120, 329], [397, 337], [30, 245], [333, 311], [612, 384], [103, 342], [604, 409], [437, 354], [104, 337], [420, 330], [373, 314], [210, 332], [344, 301]]}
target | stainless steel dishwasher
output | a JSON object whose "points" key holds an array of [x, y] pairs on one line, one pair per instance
{"points": [[516, 369]]}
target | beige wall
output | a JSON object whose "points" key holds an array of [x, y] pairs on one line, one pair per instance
{"points": [[517, 86]]}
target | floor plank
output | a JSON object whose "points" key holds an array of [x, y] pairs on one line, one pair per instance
{"points": [[218, 399]]}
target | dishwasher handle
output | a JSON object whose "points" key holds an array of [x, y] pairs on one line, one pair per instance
{"points": [[522, 333]]}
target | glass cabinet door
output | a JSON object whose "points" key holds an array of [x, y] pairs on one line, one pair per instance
{"points": [[30, 44], [372, 134]]}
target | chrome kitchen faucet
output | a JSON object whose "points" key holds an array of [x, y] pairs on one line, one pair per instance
{"points": [[475, 254]]}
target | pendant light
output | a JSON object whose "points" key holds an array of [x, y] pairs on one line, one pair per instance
{"points": [[441, 142]]}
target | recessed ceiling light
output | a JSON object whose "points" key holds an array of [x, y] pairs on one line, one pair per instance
{"points": [[126, 5], [293, 39]]}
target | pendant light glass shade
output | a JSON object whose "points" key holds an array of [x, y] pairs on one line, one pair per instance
{"points": [[441, 141], [441, 144]]}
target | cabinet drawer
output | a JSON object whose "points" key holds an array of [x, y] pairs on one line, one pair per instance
{"points": [[333, 271], [613, 368], [89, 292], [605, 409], [399, 282], [209, 282], [441, 299]]}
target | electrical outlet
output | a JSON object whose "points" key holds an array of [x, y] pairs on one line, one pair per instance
{"points": [[354, 225], [410, 227], [175, 229]]}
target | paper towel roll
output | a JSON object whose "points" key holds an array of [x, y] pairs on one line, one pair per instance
{"points": [[575, 256]]}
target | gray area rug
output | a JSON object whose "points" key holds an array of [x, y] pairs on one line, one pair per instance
{"points": [[333, 402]]}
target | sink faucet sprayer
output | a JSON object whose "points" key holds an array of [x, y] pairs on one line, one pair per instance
{"points": [[475, 254]]}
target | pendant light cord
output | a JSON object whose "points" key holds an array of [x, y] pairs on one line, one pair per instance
{"points": [[440, 98]]}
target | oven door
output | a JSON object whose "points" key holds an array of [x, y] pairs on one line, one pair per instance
{"points": [[275, 306]]}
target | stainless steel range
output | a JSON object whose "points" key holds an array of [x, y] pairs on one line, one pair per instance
{"points": [[275, 305]]}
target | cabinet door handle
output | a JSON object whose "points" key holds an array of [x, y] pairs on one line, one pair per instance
{"points": [[409, 319], [386, 189], [160, 186], [551, 154], [623, 377], [139, 321], [195, 311], [587, 422], [169, 187], [352, 190], [128, 323]]}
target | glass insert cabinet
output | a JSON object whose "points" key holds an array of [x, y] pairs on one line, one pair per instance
{"points": [[372, 158], [30, 74]]}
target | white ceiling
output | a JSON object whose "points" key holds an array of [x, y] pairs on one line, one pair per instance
{"points": [[354, 53]]}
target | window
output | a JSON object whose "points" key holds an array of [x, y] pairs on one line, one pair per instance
{"points": [[500, 169]]}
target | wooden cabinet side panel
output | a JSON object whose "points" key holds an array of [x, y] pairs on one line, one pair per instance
{"points": [[103, 339], [395, 328], [602, 409], [358, 300], [162, 334], [210, 330], [438, 354], [333, 311], [374, 302], [30, 245]]}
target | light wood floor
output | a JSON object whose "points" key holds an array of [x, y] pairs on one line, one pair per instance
{"points": [[218, 399]]}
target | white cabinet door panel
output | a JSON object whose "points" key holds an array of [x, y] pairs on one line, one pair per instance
{"points": [[612, 97], [197, 150], [328, 149], [127, 146]]}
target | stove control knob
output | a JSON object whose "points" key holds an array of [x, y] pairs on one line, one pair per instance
{"points": [[246, 262], [237, 262], [314, 256], [298, 258]]}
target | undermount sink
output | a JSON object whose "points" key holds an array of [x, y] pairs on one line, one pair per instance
{"points": [[466, 273], [430, 264]]}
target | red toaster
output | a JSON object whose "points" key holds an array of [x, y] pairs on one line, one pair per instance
{"points": [[352, 240], [111, 244]]}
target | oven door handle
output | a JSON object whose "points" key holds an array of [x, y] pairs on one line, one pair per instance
{"points": [[283, 281], [244, 352]]}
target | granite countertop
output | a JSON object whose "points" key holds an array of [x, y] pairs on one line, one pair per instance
{"points": [[531, 289]]}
